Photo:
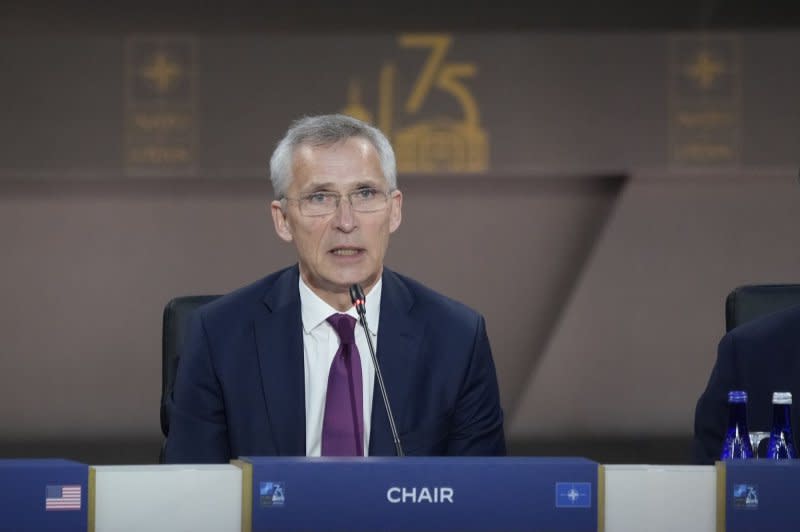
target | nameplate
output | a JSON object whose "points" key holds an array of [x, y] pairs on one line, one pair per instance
{"points": [[415, 494], [758, 495], [43, 495]]}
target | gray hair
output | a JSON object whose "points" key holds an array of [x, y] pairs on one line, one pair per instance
{"points": [[326, 130]]}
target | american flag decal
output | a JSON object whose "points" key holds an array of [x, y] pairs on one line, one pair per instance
{"points": [[60, 497]]}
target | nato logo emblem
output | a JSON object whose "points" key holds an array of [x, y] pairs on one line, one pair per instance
{"points": [[272, 494], [745, 496], [573, 494]]}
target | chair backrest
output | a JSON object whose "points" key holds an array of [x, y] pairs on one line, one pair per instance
{"points": [[752, 301], [176, 318]]}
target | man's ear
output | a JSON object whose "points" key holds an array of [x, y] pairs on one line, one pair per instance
{"points": [[281, 222], [396, 215]]}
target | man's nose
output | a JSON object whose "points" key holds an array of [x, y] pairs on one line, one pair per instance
{"points": [[344, 215]]}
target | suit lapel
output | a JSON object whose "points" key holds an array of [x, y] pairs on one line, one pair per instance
{"points": [[399, 337], [279, 340]]}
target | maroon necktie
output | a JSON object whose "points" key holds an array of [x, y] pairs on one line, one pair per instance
{"points": [[343, 425]]}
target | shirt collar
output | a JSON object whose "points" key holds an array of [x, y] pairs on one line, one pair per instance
{"points": [[315, 310]]}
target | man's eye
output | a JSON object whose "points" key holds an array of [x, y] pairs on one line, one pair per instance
{"points": [[317, 197], [366, 193]]}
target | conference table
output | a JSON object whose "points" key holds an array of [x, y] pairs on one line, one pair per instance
{"points": [[422, 494]]}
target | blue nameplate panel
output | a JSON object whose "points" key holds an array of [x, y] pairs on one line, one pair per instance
{"points": [[415, 494], [43, 495], [761, 495]]}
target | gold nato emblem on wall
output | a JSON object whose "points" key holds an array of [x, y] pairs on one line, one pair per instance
{"points": [[705, 100], [160, 138], [446, 135]]}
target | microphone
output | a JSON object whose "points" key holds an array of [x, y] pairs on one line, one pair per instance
{"points": [[358, 298]]}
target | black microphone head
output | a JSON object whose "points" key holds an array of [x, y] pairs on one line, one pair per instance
{"points": [[357, 297]]}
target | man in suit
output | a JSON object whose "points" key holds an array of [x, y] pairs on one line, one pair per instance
{"points": [[759, 357], [280, 367]]}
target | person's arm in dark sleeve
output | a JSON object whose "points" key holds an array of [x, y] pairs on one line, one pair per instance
{"points": [[477, 427], [711, 413], [197, 424]]}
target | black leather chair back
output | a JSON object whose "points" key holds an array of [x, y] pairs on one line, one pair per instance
{"points": [[176, 319], [752, 301]]}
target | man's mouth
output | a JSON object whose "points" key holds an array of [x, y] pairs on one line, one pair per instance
{"points": [[346, 252]]}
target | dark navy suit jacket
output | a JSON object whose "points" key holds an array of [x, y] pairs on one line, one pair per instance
{"points": [[760, 357], [240, 386]]}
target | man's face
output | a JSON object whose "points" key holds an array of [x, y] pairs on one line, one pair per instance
{"points": [[344, 247]]}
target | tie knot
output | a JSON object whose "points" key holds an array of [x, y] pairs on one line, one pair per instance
{"points": [[344, 325]]}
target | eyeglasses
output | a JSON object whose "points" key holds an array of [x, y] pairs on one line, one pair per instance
{"points": [[364, 199]]}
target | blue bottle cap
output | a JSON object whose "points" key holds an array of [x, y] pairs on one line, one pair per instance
{"points": [[737, 396]]}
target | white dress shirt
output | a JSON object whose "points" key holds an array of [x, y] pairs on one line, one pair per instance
{"points": [[320, 343]]}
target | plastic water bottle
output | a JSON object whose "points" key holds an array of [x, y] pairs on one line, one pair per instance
{"points": [[781, 442], [737, 439]]}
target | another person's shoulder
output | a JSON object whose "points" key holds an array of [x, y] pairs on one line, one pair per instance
{"points": [[774, 332], [775, 325]]}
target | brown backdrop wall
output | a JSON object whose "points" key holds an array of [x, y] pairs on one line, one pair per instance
{"points": [[612, 254]]}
